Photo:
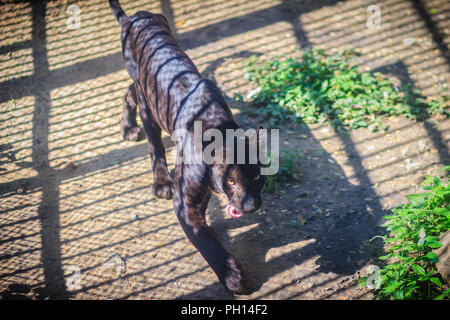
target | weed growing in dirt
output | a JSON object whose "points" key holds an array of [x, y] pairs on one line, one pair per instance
{"points": [[414, 232], [321, 87], [287, 172]]}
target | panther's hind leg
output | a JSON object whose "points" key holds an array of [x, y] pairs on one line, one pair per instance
{"points": [[130, 129], [163, 182]]}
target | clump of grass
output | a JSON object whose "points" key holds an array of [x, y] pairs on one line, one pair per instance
{"points": [[414, 230], [288, 171], [321, 87]]}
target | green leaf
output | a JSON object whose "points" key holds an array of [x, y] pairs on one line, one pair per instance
{"points": [[430, 257], [418, 269], [390, 255], [416, 199], [431, 242], [399, 294], [446, 168], [436, 181], [443, 295], [436, 281], [392, 286]]}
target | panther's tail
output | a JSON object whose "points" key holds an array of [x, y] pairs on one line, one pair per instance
{"points": [[117, 10]]}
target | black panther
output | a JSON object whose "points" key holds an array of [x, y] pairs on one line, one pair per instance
{"points": [[170, 94]]}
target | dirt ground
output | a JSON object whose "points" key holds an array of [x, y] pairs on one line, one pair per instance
{"points": [[77, 218]]}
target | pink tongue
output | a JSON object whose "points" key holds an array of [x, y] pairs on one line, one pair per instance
{"points": [[232, 211]]}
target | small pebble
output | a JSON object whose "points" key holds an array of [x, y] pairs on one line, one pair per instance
{"points": [[70, 165], [409, 41]]}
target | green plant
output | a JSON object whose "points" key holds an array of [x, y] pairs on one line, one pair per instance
{"points": [[321, 87], [414, 232], [287, 171]]}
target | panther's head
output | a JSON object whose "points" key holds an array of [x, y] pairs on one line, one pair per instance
{"points": [[240, 182]]}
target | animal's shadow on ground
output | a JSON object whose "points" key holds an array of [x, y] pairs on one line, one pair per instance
{"points": [[20, 291]]}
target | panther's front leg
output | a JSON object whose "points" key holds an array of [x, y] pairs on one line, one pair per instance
{"points": [[191, 196]]}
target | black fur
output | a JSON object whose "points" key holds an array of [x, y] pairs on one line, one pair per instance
{"points": [[171, 94]]}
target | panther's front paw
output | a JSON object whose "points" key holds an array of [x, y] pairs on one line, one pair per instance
{"points": [[163, 191], [133, 134], [235, 280]]}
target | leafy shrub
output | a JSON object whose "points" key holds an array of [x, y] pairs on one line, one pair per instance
{"points": [[322, 87], [414, 232]]}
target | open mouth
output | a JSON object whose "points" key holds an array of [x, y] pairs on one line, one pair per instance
{"points": [[233, 212]]}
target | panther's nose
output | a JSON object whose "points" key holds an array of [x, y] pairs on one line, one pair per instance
{"points": [[250, 204]]}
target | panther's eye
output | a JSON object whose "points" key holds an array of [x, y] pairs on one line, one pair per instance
{"points": [[257, 177], [230, 182]]}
